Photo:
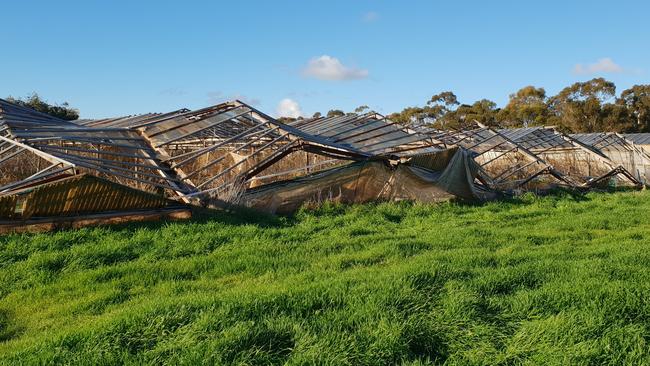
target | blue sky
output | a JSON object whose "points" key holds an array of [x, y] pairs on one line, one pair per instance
{"points": [[111, 58]]}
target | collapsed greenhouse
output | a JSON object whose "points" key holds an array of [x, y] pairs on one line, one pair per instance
{"points": [[234, 154]]}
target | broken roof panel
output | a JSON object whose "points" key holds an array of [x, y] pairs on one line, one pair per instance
{"points": [[620, 150], [17, 117], [537, 138], [203, 152], [581, 161], [604, 141], [504, 163], [370, 133], [115, 153], [638, 138], [211, 153]]}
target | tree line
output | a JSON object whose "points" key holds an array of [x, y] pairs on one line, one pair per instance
{"points": [[590, 106], [34, 101]]}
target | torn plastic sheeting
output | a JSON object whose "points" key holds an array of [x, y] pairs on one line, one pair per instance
{"points": [[368, 181]]}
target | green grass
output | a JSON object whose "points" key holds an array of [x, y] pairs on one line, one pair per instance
{"points": [[552, 280]]}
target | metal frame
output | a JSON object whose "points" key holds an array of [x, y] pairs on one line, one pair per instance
{"points": [[195, 156]]}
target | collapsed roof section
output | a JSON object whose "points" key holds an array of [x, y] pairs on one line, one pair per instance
{"points": [[205, 155], [504, 163], [620, 149], [538, 157], [223, 148], [119, 154], [20, 163], [370, 133], [373, 180], [227, 151], [640, 139], [582, 162], [127, 121]]}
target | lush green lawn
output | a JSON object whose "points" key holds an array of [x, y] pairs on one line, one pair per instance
{"points": [[554, 280]]}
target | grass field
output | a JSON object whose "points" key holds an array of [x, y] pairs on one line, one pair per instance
{"points": [[552, 280]]}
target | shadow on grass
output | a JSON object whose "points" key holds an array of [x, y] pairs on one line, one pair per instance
{"points": [[200, 215], [8, 328], [555, 193], [526, 198], [246, 216]]}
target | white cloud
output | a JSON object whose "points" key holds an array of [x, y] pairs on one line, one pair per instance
{"points": [[288, 108], [370, 17], [330, 68], [604, 65]]}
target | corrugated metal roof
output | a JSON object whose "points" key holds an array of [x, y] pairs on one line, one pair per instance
{"points": [[517, 133], [370, 133], [536, 137], [604, 141], [19, 117], [638, 138], [588, 138], [189, 152]]}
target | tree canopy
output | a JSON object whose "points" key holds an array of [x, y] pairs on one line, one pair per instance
{"points": [[34, 101], [588, 106], [526, 107], [335, 113], [581, 107], [637, 102]]}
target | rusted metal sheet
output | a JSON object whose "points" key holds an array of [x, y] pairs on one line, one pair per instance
{"points": [[77, 195], [8, 206]]}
